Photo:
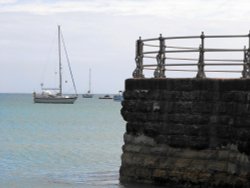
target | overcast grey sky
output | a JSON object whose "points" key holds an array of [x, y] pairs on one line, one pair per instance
{"points": [[101, 35]]}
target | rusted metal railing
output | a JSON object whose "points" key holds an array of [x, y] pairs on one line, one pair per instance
{"points": [[162, 59]]}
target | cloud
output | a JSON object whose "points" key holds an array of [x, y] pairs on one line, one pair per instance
{"points": [[168, 9], [215, 9], [7, 1]]}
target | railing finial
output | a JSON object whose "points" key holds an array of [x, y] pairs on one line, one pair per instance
{"points": [[202, 36]]}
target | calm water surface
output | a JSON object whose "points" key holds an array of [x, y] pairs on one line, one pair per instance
{"points": [[60, 145]]}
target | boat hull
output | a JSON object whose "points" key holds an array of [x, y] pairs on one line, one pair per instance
{"points": [[87, 95], [55, 100], [118, 98], [106, 97]]}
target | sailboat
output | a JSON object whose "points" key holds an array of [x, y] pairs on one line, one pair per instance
{"points": [[118, 97], [88, 94], [55, 95]]}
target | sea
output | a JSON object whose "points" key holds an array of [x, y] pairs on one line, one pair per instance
{"points": [[60, 145]]}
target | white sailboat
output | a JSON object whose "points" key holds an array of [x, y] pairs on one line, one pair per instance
{"points": [[118, 97], [55, 95], [88, 94]]}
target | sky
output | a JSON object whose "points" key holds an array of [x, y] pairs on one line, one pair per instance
{"points": [[100, 35]]}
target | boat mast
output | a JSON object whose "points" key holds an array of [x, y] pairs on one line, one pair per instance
{"points": [[60, 60], [89, 81]]}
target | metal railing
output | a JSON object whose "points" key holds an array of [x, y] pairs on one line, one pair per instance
{"points": [[162, 58]]}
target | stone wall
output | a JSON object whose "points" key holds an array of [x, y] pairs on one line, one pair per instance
{"points": [[186, 132]]}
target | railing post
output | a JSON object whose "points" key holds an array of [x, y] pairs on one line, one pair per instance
{"points": [[246, 66], [201, 73], [138, 72], [160, 58], [249, 41]]}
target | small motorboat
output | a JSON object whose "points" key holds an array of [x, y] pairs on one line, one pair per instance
{"points": [[106, 97]]}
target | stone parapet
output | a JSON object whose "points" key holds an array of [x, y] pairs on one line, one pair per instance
{"points": [[187, 132]]}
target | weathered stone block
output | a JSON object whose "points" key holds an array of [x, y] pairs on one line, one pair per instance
{"points": [[187, 132]]}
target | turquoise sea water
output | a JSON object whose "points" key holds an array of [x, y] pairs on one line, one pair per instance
{"points": [[59, 145]]}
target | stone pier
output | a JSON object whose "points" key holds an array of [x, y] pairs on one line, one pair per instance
{"points": [[187, 132]]}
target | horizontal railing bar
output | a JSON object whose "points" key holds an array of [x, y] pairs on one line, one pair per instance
{"points": [[149, 57], [176, 58], [172, 69], [150, 65], [181, 37], [231, 71], [197, 36], [195, 64], [182, 70], [193, 59], [181, 51], [183, 64], [225, 36], [151, 45], [222, 50], [178, 47], [232, 60], [205, 50], [221, 64], [196, 59], [185, 70], [151, 52]]}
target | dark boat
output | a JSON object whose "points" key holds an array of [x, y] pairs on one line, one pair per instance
{"points": [[106, 97]]}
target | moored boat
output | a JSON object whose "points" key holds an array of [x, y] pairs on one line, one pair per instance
{"points": [[88, 94], [106, 97], [55, 95], [118, 97]]}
